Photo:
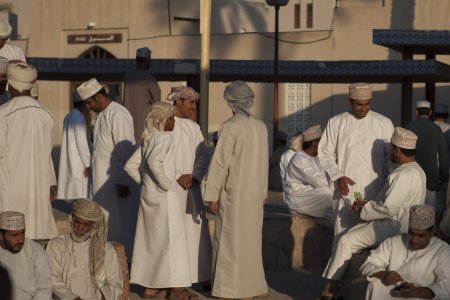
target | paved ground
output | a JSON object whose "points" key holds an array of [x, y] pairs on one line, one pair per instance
{"points": [[284, 285]]}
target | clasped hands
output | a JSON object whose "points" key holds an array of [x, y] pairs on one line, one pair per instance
{"points": [[186, 181]]}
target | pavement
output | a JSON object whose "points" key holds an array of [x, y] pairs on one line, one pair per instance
{"points": [[283, 285]]}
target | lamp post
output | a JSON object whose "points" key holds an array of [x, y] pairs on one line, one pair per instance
{"points": [[276, 4]]}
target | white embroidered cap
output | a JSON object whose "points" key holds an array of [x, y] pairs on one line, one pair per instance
{"points": [[423, 103], [12, 220], [404, 138], [360, 91], [89, 88], [312, 133], [421, 216]]}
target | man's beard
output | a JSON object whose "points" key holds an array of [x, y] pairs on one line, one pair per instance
{"points": [[79, 238]]}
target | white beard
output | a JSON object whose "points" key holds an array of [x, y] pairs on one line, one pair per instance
{"points": [[79, 238]]}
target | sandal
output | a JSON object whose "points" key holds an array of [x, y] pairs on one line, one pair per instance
{"points": [[154, 294], [182, 294]]}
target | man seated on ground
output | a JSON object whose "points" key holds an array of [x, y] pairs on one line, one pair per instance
{"points": [[411, 265], [306, 187], [385, 216], [24, 259], [295, 144], [83, 265]]}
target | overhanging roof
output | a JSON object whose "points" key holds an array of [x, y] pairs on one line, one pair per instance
{"points": [[414, 41], [78, 69]]}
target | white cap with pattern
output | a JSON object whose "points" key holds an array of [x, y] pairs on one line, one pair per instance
{"points": [[360, 91], [404, 138], [12, 220], [423, 104], [89, 88]]}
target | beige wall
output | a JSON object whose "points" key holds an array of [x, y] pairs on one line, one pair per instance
{"points": [[339, 33]]}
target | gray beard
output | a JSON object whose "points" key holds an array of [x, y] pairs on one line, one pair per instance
{"points": [[80, 238]]}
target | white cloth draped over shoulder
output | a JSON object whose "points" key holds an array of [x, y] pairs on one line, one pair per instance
{"points": [[11, 52], [161, 256], [112, 147], [29, 272], [75, 157], [284, 163], [238, 178], [70, 272], [359, 149], [192, 157], [26, 129], [428, 267], [307, 189]]}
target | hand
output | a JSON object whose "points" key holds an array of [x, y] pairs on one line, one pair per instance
{"points": [[86, 171], [123, 190], [391, 277], [343, 183], [53, 192], [414, 292], [357, 206], [185, 181], [214, 207]]}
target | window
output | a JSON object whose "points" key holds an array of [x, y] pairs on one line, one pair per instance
{"points": [[297, 16], [309, 15], [298, 107]]}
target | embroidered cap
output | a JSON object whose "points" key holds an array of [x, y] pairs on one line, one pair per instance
{"points": [[404, 138], [421, 216], [360, 91], [89, 88], [12, 220]]}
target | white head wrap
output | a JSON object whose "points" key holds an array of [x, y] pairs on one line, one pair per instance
{"points": [[156, 118], [21, 76], [89, 88], [5, 29], [12, 220], [404, 138], [239, 97], [360, 91], [421, 216], [91, 211]]}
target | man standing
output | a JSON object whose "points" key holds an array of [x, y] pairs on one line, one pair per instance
{"points": [[75, 158], [386, 215], [25, 154], [83, 265], [113, 145], [191, 163], [8, 51], [416, 260], [140, 90], [307, 190], [236, 189], [25, 260], [431, 150], [355, 152]]}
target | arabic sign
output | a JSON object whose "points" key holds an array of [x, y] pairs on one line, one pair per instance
{"points": [[94, 38]]}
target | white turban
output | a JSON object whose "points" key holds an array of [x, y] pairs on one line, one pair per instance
{"points": [[21, 76], [239, 96]]}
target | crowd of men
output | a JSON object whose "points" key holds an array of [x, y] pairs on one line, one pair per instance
{"points": [[133, 176]]}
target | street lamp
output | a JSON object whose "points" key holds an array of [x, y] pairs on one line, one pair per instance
{"points": [[276, 4]]}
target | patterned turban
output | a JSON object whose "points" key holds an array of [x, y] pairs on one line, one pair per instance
{"points": [[21, 76], [91, 211], [239, 97], [4, 63], [156, 118], [182, 92], [12, 220], [421, 216]]}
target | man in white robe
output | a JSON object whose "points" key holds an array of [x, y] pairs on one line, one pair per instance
{"points": [[83, 265], [191, 163], [355, 152], [236, 188], [385, 216], [140, 90], [24, 259], [75, 157], [113, 145], [307, 190], [416, 259], [7, 51], [4, 63], [26, 168]]}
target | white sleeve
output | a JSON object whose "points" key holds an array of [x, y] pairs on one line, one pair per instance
{"points": [[441, 286], [378, 260], [155, 161], [303, 169], [133, 164], [327, 152], [79, 128], [113, 287]]}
